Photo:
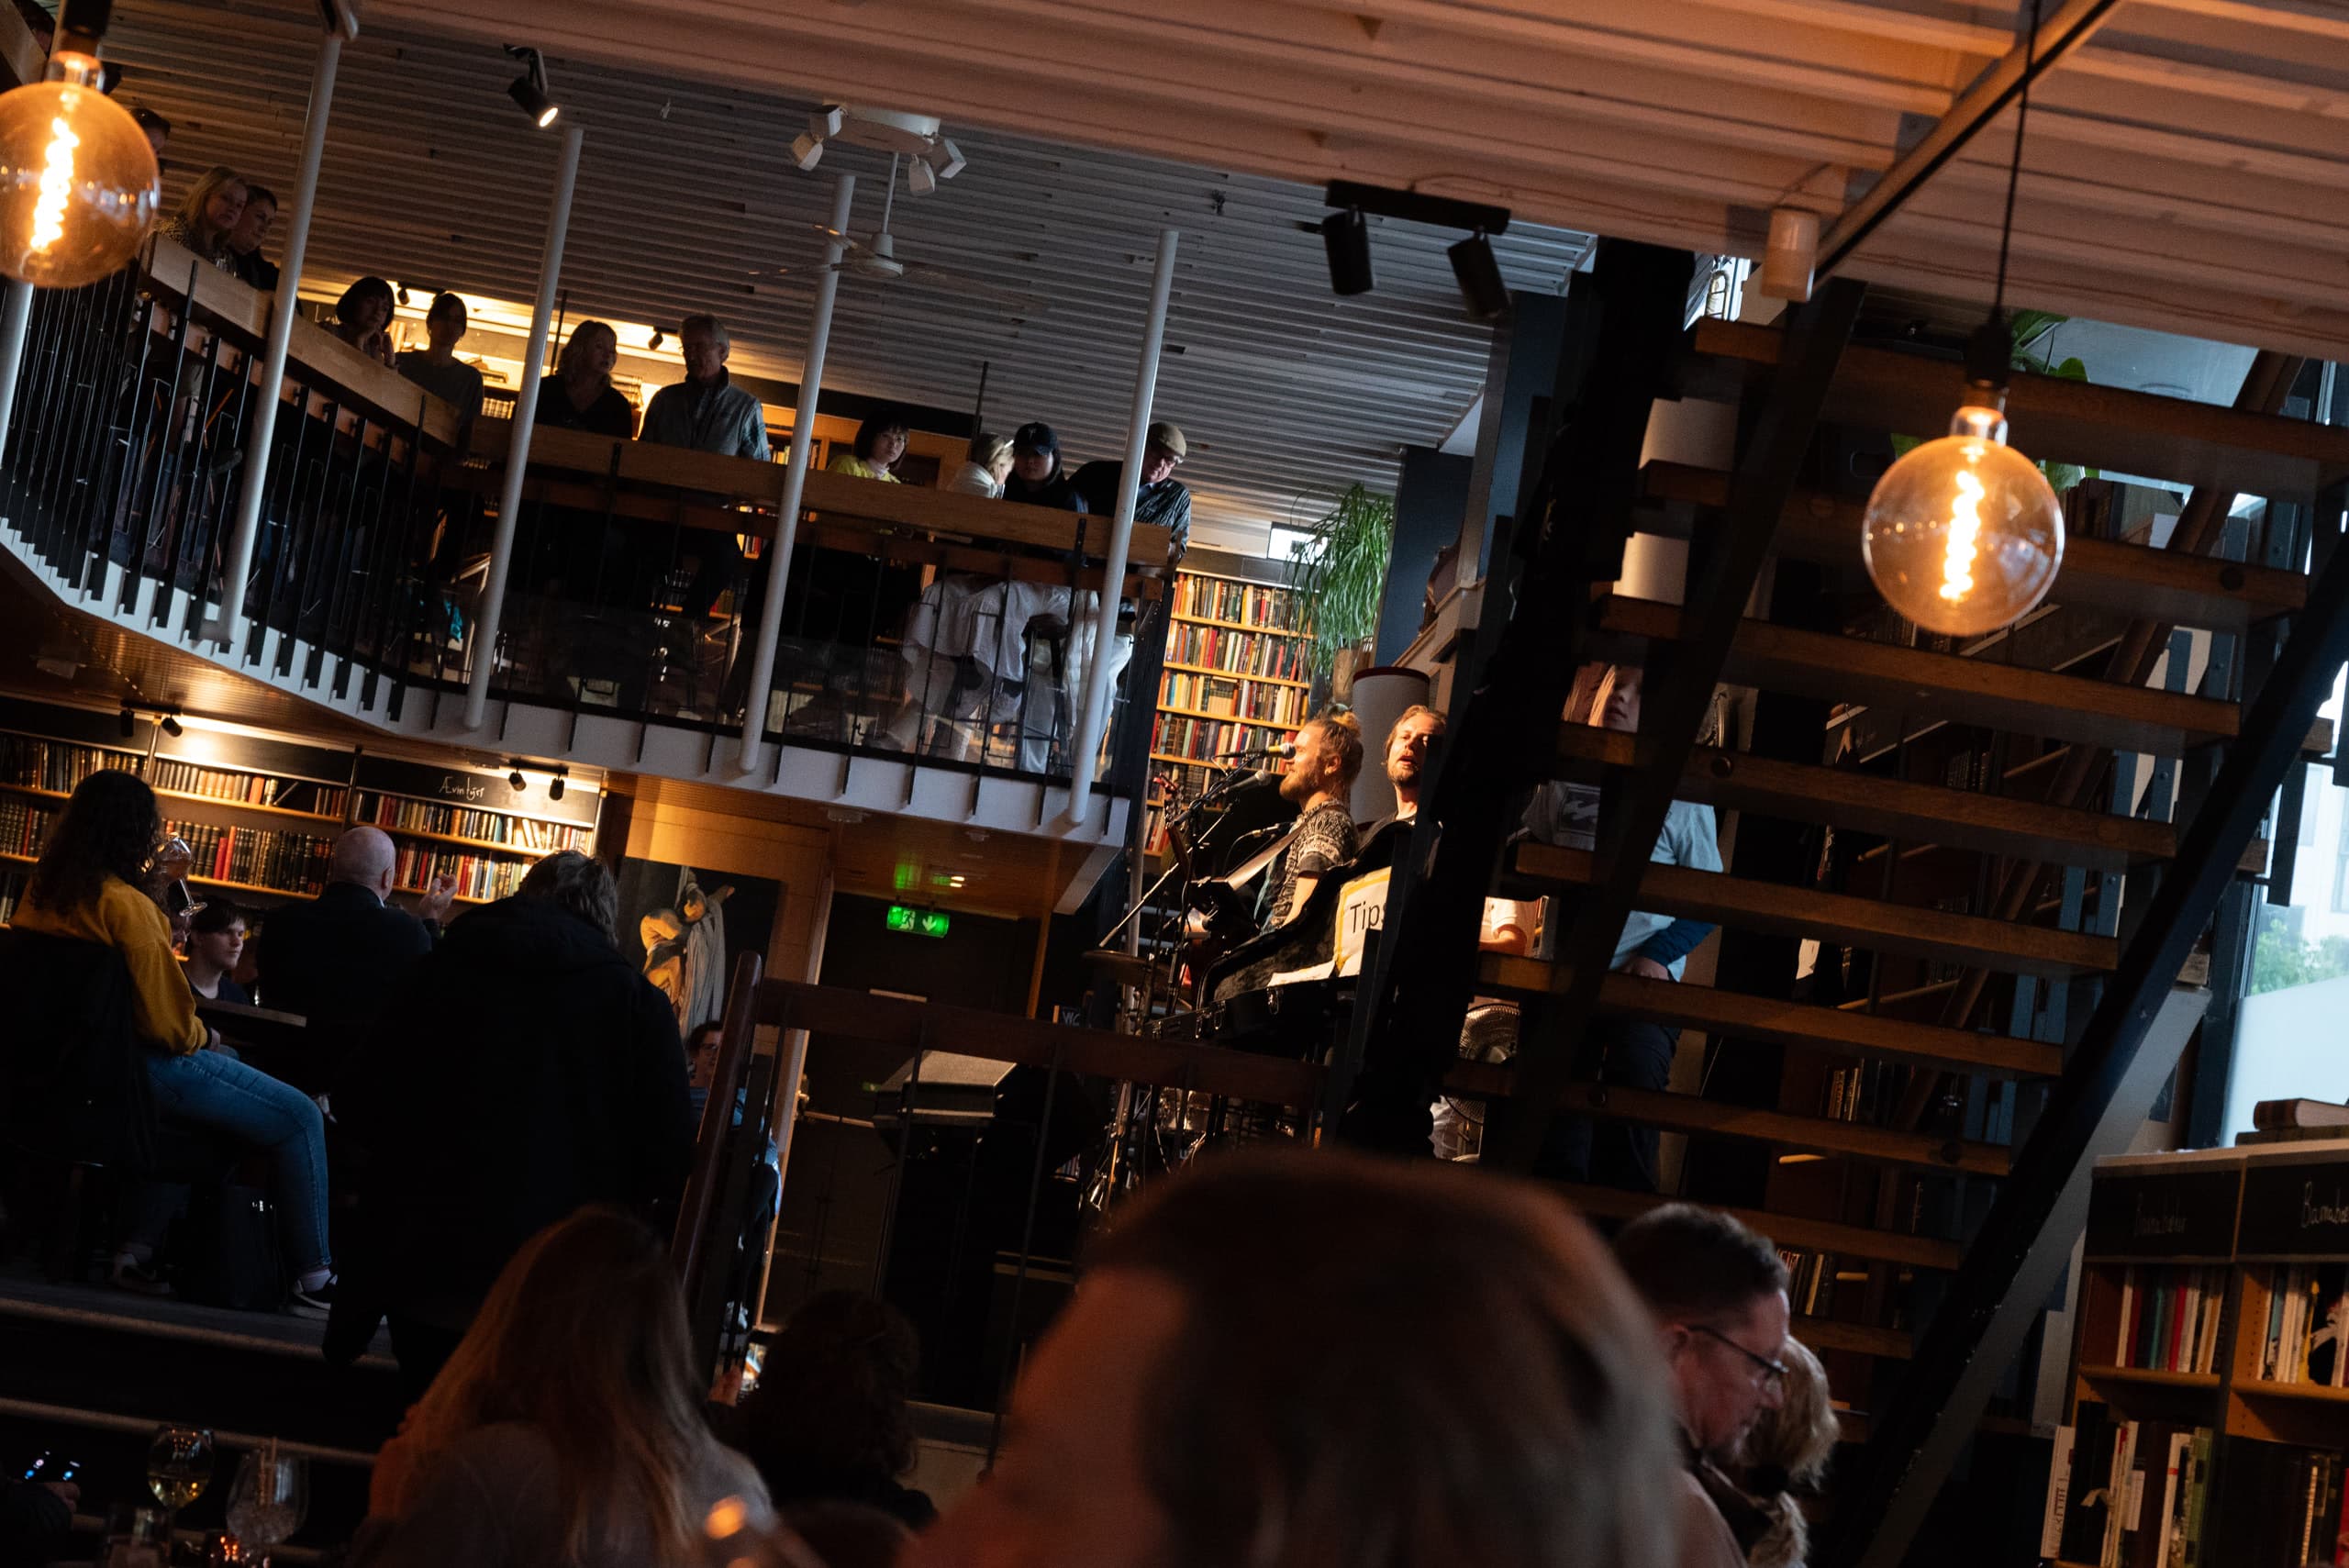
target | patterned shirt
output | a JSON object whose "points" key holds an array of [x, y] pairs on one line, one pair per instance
{"points": [[1325, 837]]}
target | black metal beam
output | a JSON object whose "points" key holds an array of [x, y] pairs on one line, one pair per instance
{"points": [[1622, 329], [2103, 1095], [1679, 686]]}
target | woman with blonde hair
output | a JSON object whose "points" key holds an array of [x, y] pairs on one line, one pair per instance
{"points": [[983, 471], [567, 1428], [580, 394], [1787, 1452], [209, 217]]}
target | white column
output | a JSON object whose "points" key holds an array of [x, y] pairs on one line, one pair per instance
{"points": [[14, 316], [1094, 714], [228, 630], [795, 482], [518, 447]]}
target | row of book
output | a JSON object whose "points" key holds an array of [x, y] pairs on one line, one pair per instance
{"points": [[2282, 1507], [1811, 1282], [1202, 740], [56, 765], [2129, 1494], [11, 888], [248, 789], [2308, 1312], [463, 822], [478, 876], [24, 826], [1230, 698], [1273, 609], [2169, 1318], [1236, 652], [259, 857], [1868, 1092]]}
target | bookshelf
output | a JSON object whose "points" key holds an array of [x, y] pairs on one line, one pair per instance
{"points": [[2249, 1250], [1236, 676], [262, 813]]}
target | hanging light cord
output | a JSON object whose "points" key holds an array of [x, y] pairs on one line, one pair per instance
{"points": [[2014, 168]]}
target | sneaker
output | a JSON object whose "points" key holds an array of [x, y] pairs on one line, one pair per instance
{"points": [[316, 1303], [128, 1274]]}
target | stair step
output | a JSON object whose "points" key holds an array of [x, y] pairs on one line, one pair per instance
{"points": [[1840, 917], [1916, 813], [1790, 1023], [2102, 574], [1813, 1134], [1941, 687], [2102, 427], [1826, 1334], [1785, 1229]]}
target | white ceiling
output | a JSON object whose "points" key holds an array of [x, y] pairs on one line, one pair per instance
{"points": [[686, 201]]}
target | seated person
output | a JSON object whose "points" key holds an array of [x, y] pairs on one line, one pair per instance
{"points": [[1160, 500], [830, 1419], [986, 468], [362, 317], [580, 394], [1036, 479], [1215, 1392], [1787, 1452], [1625, 1052], [567, 1427], [1322, 764], [245, 241], [880, 444], [215, 942], [87, 886]]}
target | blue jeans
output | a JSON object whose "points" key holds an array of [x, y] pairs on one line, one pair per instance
{"points": [[208, 1089]]}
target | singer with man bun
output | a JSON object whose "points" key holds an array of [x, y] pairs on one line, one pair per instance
{"points": [[1323, 760]]}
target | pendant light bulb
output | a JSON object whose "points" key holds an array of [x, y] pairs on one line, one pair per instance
{"points": [[79, 186], [1963, 535]]}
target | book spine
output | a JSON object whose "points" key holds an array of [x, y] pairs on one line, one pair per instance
{"points": [[2059, 1486]]}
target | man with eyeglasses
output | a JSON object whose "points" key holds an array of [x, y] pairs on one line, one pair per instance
{"points": [[1718, 1292]]}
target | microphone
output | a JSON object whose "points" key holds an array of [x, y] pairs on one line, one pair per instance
{"points": [[1277, 749]]}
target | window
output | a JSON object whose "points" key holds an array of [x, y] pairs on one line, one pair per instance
{"points": [[1284, 543]]}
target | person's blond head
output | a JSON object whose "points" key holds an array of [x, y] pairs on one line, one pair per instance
{"points": [[583, 1338], [1341, 745], [194, 209], [1797, 1439]]}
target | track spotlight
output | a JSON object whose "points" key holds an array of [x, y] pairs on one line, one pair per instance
{"points": [[129, 721], [1479, 271], [955, 163], [826, 122], [920, 178], [517, 781], [171, 726], [555, 786], [1346, 236], [529, 89], [806, 151], [655, 342], [399, 292]]}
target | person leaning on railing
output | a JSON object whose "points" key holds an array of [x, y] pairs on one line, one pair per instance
{"points": [[986, 468], [880, 446], [245, 240], [580, 394], [437, 369], [208, 219], [707, 413], [362, 318]]}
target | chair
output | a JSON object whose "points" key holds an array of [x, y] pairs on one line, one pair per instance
{"points": [[74, 1100]]}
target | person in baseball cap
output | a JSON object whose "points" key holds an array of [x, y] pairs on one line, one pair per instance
{"points": [[1159, 499], [1036, 478]]}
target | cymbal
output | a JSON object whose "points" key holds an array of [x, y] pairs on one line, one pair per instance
{"points": [[1126, 968]]}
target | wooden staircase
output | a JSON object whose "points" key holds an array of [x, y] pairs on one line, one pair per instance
{"points": [[1912, 835]]}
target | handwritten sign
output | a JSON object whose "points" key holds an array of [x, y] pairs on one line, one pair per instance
{"points": [[2296, 1208], [2164, 1214]]}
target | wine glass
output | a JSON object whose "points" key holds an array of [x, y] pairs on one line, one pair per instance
{"points": [[179, 1465], [268, 1500]]}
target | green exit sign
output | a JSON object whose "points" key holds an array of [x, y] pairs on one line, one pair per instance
{"points": [[920, 922]]}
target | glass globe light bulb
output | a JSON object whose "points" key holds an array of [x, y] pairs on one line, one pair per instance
{"points": [[1963, 535], [78, 182]]}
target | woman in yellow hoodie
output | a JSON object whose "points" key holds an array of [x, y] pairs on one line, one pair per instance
{"points": [[88, 887]]}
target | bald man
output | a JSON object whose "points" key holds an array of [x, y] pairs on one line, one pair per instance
{"points": [[336, 960]]}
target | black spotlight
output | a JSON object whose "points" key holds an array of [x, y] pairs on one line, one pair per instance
{"points": [[399, 292], [129, 722], [517, 781], [1479, 271], [1346, 236], [655, 342], [554, 785], [529, 89], [171, 726]]}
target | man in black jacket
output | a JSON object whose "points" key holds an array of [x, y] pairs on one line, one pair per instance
{"points": [[336, 960], [525, 1069]]}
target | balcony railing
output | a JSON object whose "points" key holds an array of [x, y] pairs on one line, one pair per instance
{"points": [[913, 622]]}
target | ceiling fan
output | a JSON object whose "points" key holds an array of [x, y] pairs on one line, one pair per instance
{"points": [[876, 257]]}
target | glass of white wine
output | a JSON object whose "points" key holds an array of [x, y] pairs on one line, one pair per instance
{"points": [[179, 1465], [268, 1500]]}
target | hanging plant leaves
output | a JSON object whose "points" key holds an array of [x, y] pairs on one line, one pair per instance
{"points": [[1338, 573]]}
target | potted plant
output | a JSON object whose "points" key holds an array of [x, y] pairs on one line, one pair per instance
{"points": [[1338, 573]]}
